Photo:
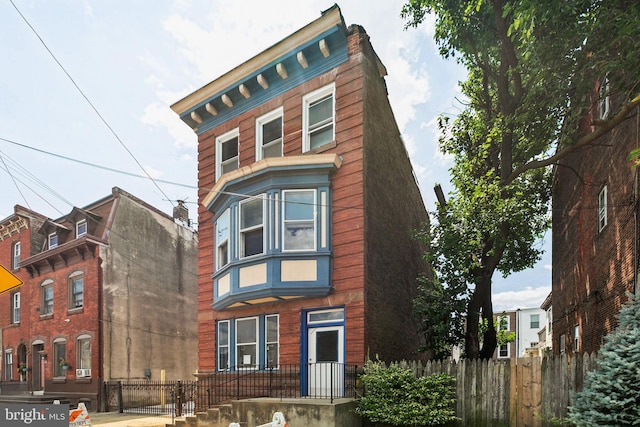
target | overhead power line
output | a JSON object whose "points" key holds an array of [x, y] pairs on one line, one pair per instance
{"points": [[104, 121]]}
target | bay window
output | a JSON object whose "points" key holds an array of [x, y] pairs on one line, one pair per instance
{"points": [[222, 226], [252, 227], [299, 220]]}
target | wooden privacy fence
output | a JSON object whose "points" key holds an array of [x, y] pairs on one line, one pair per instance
{"points": [[522, 392]]}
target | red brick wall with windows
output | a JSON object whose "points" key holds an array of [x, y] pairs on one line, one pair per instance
{"points": [[594, 269]]}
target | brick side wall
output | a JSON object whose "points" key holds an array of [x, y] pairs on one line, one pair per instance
{"points": [[592, 269]]}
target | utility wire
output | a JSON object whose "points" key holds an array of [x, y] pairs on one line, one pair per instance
{"points": [[14, 180], [90, 103]]}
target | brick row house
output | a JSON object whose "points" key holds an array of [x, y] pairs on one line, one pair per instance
{"points": [[595, 233], [107, 289], [307, 208]]}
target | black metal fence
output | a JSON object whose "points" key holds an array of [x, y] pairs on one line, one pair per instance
{"points": [[312, 381]]}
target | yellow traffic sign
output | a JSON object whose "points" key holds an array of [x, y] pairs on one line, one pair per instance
{"points": [[7, 280]]}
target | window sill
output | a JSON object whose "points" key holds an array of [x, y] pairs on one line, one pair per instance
{"points": [[46, 316], [322, 148]]}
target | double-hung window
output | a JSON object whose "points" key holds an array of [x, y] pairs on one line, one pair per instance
{"points": [[299, 217], [534, 321], [576, 338], [603, 98], [602, 208], [83, 362], [247, 342], [8, 364], [53, 240], [76, 290], [269, 135], [81, 228], [252, 226], [15, 307], [318, 112], [60, 356], [46, 297], [227, 152], [15, 256], [503, 325], [222, 239]]}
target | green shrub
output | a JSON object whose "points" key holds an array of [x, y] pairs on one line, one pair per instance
{"points": [[395, 396]]}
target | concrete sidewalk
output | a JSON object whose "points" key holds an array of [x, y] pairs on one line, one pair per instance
{"points": [[116, 419]]}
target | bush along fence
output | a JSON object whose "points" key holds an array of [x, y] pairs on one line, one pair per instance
{"points": [[522, 392]]}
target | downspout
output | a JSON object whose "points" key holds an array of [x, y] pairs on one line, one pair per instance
{"points": [[635, 213]]}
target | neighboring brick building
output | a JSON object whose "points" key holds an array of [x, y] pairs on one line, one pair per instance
{"points": [[308, 205], [110, 289], [595, 234]]}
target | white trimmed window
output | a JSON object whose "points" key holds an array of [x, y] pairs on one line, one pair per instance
{"points": [[576, 338], [269, 135], [503, 325], [227, 152], [602, 208], [8, 364], [76, 290], [603, 98], [83, 362], [223, 345], [252, 226], [46, 297], [15, 256], [534, 321], [15, 307], [53, 240], [247, 342], [272, 340], [222, 239], [318, 114], [299, 227], [81, 228], [60, 356], [563, 343]]}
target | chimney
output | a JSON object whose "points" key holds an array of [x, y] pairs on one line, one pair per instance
{"points": [[181, 212]]}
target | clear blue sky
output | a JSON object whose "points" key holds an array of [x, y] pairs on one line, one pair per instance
{"points": [[130, 60]]}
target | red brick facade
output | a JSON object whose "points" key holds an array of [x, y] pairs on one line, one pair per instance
{"points": [[593, 264]]}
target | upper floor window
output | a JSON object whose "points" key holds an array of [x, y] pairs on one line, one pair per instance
{"points": [[602, 208], [603, 98], [15, 307], [269, 135], [81, 228], [252, 226], [299, 220], [576, 338], [318, 118], [76, 290], [227, 153], [46, 297], [53, 240], [222, 226], [15, 256], [534, 321], [563, 343], [503, 325]]}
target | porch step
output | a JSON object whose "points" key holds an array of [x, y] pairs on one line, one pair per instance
{"points": [[31, 399]]}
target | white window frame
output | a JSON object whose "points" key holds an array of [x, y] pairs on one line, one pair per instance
{"points": [[223, 243], [52, 240], [603, 98], [253, 364], [72, 291], [15, 256], [537, 321], [226, 345], [242, 232], [504, 351], [576, 338], [563, 343], [313, 220], [274, 341], [15, 307], [83, 346], [59, 354], [81, 228], [260, 123], [47, 284], [8, 364], [222, 139], [602, 209], [309, 100]]}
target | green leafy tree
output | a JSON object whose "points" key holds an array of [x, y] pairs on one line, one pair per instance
{"points": [[531, 99], [396, 397], [611, 393]]}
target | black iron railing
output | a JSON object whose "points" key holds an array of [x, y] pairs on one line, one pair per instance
{"points": [[312, 381]]}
